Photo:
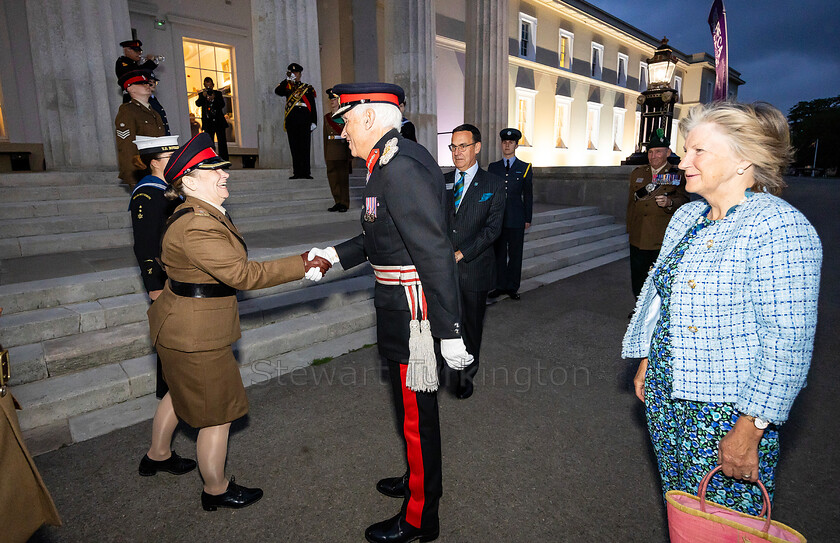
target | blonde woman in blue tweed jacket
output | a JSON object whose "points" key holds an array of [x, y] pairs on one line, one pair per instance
{"points": [[725, 323]]}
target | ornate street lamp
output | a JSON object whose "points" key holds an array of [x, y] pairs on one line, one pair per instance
{"points": [[657, 101]]}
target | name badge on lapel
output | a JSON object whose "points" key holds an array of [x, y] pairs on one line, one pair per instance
{"points": [[370, 209]]}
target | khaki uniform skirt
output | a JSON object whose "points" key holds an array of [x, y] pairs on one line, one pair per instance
{"points": [[205, 386]]}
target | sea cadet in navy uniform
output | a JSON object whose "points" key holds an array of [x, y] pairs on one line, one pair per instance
{"points": [[519, 208], [476, 212], [416, 296], [135, 118], [301, 118], [656, 191]]}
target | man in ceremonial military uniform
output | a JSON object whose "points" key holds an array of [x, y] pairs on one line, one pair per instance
{"points": [[301, 119], [132, 58], [337, 157], [656, 191], [519, 208], [405, 240], [135, 118]]}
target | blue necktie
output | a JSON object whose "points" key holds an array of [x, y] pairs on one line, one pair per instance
{"points": [[459, 190]]}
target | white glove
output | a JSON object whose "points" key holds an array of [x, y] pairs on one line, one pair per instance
{"points": [[455, 353], [328, 254], [314, 274], [312, 127]]}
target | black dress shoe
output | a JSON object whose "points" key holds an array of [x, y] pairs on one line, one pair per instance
{"points": [[343, 208], [397, 530], [495, 293], [393, 487], [336, 207], [294, 177], [235, 497], [306, 177], [174, 464], [465, 390], [513, 295]]}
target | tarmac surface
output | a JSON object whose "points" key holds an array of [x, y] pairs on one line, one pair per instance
{"points": [[552, 446]]}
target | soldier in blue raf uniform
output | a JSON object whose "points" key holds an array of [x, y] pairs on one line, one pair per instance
{"points": [[519, 208], [416, 297]]}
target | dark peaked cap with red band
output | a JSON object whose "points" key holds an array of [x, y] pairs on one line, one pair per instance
{"points": [[197, 154], [135, 76], [353, 94]]}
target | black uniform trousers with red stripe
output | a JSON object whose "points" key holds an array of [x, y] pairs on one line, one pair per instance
{"points": [[419, 426]]}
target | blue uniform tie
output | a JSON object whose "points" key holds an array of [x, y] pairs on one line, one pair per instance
{"points": [[459, 190]]}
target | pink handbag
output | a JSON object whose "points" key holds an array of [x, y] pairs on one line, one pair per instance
{"points": [[691, 519]]}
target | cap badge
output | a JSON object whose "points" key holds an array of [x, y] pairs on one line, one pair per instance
{"points": [[389, 152]]}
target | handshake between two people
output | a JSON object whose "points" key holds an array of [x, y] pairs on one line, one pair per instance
{"points": [[316, 262]]}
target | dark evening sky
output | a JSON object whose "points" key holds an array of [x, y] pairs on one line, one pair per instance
{"points": [[786, 50]]}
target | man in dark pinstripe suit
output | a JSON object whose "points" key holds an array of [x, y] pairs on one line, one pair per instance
{"points": [[477, 210]]}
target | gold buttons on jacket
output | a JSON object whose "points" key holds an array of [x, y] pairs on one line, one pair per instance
{"points": [[709, 243], [692, 283], [692, 329]]}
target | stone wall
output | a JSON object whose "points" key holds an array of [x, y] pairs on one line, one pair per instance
{"points": [[601, 186]]}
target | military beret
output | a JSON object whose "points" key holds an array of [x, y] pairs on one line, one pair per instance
{"points": [[658, 139], [510, 134], [353, 94], [147, 145], [198, 154], [295, 67], [135, 76], [137, 45]]}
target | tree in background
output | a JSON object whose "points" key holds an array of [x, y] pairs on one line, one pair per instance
{"points": [[813, 120]]}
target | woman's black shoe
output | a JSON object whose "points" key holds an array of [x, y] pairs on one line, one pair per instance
{"points": [[235, 497], [174, 464]]}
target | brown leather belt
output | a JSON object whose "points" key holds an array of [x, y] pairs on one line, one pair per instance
{"points": [[201, 290]]}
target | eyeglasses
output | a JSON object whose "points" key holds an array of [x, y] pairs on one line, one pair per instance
{"points": [[461, 147]]}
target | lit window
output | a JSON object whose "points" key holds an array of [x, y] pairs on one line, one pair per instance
{"points": [[621, 70], [525, 105], [566, 49], [527, 36], [678, 87], [618, 128], [597, 61], [3, 136], [643, 76], [215, 61], [636, 127], [675, 130], [593, 121], [562, 121]]}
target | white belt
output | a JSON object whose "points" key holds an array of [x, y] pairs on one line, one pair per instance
{"points": [[396, 275], [300, 104], [332, 137]]}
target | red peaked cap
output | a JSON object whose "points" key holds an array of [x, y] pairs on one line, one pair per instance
{"points": [[353, 94], [198, 153]]}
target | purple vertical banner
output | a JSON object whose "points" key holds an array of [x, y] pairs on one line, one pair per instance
{"points": [[717, 22]]}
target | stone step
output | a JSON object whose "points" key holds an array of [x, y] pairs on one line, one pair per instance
{"points": [[548, 262], [565, 226], [551, 244], [122, 237], [127, 335], [258, 351], [101, 220], [62, 178]]}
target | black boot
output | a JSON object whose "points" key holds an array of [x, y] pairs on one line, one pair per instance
{"points": [[397, 530], [393, 487], [174, 464], [235, 497]]}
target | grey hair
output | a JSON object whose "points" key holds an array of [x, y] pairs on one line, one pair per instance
{"points": [[387, 115], [755, 132]]}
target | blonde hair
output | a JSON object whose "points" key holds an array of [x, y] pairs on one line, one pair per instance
{"points": [[756, 132]]}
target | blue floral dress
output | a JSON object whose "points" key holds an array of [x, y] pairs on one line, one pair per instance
{"points": [[685, 434]]}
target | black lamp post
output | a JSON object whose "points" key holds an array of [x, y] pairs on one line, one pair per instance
{"points": [[657, 101]]}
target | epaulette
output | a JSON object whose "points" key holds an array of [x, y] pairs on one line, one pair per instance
{"points": [[199, 212], [390, 151]]}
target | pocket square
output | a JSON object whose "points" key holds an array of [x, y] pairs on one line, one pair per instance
{"points": [[486, 196]]}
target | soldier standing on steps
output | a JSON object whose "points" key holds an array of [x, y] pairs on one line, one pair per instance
{"points": [[337, 157], [136, 118], [301, 118]]}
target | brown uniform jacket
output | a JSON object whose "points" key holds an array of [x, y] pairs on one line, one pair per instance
{"points": [[646, 221], [335, 147], [205, 247], [134, 119]]}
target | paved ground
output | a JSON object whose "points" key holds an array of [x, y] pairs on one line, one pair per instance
{"points": [[552, 447]]}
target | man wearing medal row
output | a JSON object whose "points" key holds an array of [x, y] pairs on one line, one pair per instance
{"points": [[405, 240], [656, 191]]}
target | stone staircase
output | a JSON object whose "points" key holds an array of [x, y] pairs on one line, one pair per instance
{"points": [[82, 361]]}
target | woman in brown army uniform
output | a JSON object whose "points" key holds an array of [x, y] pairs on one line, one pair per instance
{"points": [[196, 318]]}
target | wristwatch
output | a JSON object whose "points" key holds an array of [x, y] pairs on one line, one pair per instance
{"points": [[761, 424]]}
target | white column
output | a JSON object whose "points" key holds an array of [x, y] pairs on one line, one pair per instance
{"points": [[284, 31], [486, 73], [410, 63], [74, 47]]}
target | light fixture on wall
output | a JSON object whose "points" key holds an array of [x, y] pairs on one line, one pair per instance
{"points": [[160, 24]]}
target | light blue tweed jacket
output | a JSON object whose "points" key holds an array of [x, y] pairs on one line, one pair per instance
{"points": [[743, 307]]}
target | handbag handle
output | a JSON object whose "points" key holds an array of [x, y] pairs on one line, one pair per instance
{"points": [[765, 509]]}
